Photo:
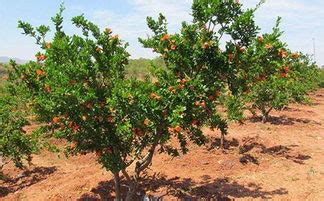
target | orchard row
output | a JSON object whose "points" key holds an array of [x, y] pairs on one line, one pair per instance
{"points": [[77, 89]]}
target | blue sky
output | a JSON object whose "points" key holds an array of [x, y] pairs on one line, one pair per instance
{"points": [[302, 21]]}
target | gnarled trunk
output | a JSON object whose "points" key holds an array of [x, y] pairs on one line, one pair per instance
{"points": [[117, 187], [139, 167], [265, 114]]}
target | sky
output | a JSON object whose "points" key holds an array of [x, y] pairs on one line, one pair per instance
{"points": [[302, 21]]}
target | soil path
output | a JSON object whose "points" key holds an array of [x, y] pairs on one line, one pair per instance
{"points": [[281, 160]]}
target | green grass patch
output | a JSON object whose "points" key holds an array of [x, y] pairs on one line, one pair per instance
{"points": [[321, 78], [141, 67]]}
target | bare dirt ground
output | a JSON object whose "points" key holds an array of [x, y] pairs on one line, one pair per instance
{"points": [[280, 160]]}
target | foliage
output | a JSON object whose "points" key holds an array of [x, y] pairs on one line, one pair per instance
{"points": [[78, 88], [195, 53], [321, 78], [3, 74], [2, 70], [271, 76], [15, 144]]}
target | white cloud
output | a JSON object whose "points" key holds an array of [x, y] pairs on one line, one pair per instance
{"points": [[301, 22], [133, 24]]}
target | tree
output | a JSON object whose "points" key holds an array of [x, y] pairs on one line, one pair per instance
{"points": [[196, 52], [15, 144], [271, 75], [78, 86], [78, 89]]}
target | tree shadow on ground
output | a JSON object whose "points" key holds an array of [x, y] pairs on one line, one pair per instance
{"points": [[277, 151], [185, 189], [26, 179], [218, 189], [284, 120], [293, 109], [248, 158], [103, 191], [228, 144], [290, 109]]}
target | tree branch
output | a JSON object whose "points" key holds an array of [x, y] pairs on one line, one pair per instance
{"points": [[126, 175], [146, 161]]}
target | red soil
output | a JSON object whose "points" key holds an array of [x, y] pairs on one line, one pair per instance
{"points": [[281, 160]]}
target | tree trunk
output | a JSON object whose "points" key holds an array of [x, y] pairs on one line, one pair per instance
{"points": [[139, 167], [264, 118], [117, 187], [265, 115], [132, 185], [131, 192], [222, 140]]}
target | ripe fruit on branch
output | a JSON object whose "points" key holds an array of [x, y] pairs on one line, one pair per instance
{"points": [[41, 57], [47, 88], [98, 49], [165, 113], [268, 46], [73, 145], [165, 37], [108, 150], [48, 45], [115, 37], [195, 122], [172, 89], [200, 103], [108, 31], [181, 86], [173, 47], [217, 93], [286, 69], [205, 45], [260, 39], [261, 78], [154, 96], [242, 49], [177, 129], [211, 98], [138, 132], [282, 53], [89, 105], [156, 83], [182, 81], [295, 55], [56, 120], [230, 57], [147, 122], [99, 153], [100, 118], [84, 118], [72, 82], [40, 72], [102, 104], [74, 126], [284, 74], [110, 119]]}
